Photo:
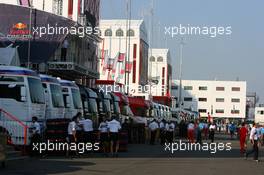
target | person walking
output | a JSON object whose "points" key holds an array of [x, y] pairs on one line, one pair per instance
{"points": [[242, 137], [212, 129], [170, 131], [190, 131], [153, 126], [162, 128], [72, 137], [232, 129], [104, 136], [199, 130], [114, 127], [35, 134], [254, 141], [87, 126]]}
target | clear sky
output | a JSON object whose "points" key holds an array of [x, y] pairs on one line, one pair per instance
{"points": [[228, 57]]}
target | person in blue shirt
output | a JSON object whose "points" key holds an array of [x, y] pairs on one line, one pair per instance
{"points": [[232, 129]]}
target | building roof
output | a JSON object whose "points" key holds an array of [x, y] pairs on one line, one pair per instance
{"points": [[120, 22]]}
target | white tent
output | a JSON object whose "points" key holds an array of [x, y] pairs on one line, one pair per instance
{"points": [[9, 57]]}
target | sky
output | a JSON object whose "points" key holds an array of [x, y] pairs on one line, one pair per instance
{"points": [[224, 57]]}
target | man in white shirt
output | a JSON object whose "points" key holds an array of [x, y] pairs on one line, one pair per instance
{"points": [[104, 135], [87, 126], [162, 132], [169, 131], [114, 126], [35, 133], [254, 137], [153, 126]]}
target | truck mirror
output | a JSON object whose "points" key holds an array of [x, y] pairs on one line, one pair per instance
{"points": [[23, 93]]}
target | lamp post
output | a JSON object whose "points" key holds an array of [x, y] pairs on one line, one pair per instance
{"points": [[180, 87]]}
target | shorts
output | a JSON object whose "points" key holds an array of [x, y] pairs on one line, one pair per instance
{"points": [[114, 136]]}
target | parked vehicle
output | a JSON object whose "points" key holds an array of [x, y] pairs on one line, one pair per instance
{"points": [[72, 98], [89, 102], [53, 97], [21, 98]]}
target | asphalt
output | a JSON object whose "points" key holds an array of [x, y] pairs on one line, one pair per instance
{"points": [[144, 159]]}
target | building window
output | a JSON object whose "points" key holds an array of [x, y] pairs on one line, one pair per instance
{"points": [[57, 7], [152, 59], [235, 88], [235, 100], [260, 112], [188, 88], [202, 110], [202, 88], [108, 32], [175, 87], [202, 99], [160, 59], [130, 32], [220, 88], [119, 32], [235, 111], [219, 111], [220, 100], [187, 98]]}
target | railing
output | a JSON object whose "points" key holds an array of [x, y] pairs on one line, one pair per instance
{"points": [[16, 129]]}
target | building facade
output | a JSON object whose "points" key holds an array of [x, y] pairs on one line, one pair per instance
{"points": [[222, 99], [160, 75], [124, 54], [63, 54], [259, 115]]}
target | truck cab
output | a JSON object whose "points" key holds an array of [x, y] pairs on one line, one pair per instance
{"points": [[89, 102], [53, 96], [72, 98], [21, 98]]}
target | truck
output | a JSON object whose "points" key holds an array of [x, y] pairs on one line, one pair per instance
{"points": [[21, 98], [72, 98], [89, 102]]}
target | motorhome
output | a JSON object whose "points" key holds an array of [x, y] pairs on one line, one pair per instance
{"points": [[72, 98], [21, 98]]}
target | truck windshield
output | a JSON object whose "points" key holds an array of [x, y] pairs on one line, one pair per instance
{"points": [[36, 91], [106, 105], [56, 95], [93, 105], [77, 102], [116, 107]]}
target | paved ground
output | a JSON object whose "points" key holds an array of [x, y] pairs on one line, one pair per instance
{"points": [[143, 159]]}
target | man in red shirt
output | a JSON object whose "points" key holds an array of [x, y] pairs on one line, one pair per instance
{"points": [[243, 134]]}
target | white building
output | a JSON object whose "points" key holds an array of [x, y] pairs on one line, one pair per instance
{"points": [[118, 42], [160, 71], [259, 115], [72, 9], [222, 99]]}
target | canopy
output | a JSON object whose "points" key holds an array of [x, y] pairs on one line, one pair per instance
{"points": [[9, 57]]}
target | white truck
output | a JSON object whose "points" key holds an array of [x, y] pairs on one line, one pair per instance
{"points": [[21, 98], [72, 98], [53, 96]]}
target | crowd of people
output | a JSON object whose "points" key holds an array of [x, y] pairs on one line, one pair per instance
{"points": [[195, 131]]}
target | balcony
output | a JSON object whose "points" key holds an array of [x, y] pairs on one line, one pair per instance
{"points": [[71, 67]]}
